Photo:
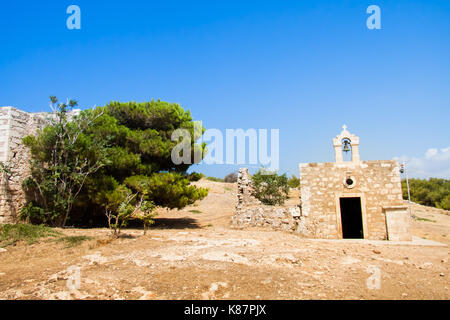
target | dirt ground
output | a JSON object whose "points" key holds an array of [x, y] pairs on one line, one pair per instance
{"points": [[194, 254]]}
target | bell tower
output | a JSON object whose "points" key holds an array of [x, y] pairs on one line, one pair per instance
{"points": [[346, 142]]}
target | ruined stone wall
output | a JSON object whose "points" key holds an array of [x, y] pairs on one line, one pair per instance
{"points": [[378, 184], [245, 191], [250, 212], [398, 223], [14, 125]]}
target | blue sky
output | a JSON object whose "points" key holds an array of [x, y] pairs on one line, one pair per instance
{"points": [[304, 67]]}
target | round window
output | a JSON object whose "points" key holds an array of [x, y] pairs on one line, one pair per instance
{"points": [[349, 182]]}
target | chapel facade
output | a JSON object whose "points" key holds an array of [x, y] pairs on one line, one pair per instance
{"points": [[353, 199]]}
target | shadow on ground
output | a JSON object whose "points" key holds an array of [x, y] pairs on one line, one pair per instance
{"points": [[175, 223]]}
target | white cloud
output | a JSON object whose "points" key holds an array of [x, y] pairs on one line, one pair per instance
{"points": [[431, 153], [436, 164]]}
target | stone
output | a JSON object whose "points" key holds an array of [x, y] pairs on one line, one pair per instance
{"points": [[15, 124], [250, 212], [322, 186], [372, 183], [294, 212]]}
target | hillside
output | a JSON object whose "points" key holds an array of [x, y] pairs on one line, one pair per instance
{"points": [[194, 254]]}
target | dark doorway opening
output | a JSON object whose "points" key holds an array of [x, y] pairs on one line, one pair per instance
{"points": [[351, 218]]}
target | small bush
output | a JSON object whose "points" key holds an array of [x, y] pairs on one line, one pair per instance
{"points": [[35, 214], [231, 178], [195, 176], [122, 207], [270, 188], [13, 233], [294, 182], [214, 179]]}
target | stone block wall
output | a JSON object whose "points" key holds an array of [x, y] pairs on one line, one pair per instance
{"points": [[397, 223], [375, 212], [250, 212], [14, 125], [377, 183], [245, 194]]}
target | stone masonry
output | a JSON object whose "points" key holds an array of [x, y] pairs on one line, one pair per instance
{"points": [[14, 125], [250, 212], [376, 185]]}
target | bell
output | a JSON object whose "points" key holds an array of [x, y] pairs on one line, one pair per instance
{"points": [[346, 146]]}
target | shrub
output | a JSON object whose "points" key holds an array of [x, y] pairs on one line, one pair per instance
{"points": [[433, 192], [33, 213], [195, 176], [123, 206], [445, 203], [231, 178], [63, 157], [270, 188], [294, 182], [214, 179]]}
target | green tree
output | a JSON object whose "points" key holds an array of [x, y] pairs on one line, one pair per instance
{"points": [[139, 138], [445, 203], [270, 188], [137, 169], [433, 192], [123, 205], [63, 156]]}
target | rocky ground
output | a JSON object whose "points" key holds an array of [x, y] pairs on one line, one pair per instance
{"points": [[194, 254]]}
